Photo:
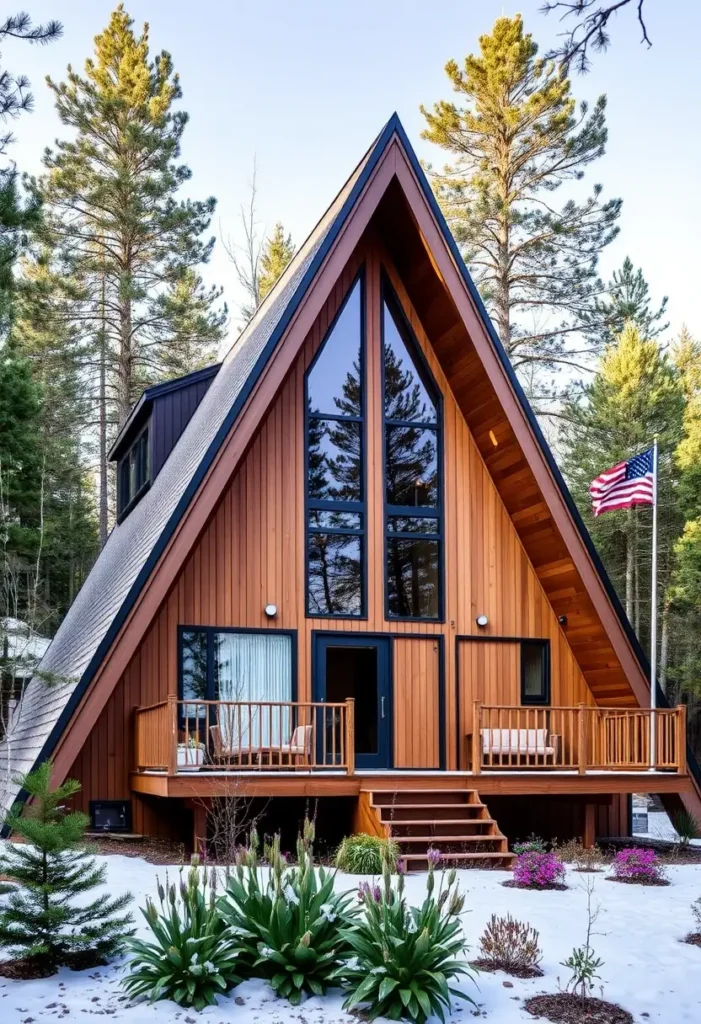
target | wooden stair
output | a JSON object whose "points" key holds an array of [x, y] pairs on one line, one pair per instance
{"points": [[456, 822]]}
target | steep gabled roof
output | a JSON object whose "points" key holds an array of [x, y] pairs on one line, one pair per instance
{"points": [[135, 547]]}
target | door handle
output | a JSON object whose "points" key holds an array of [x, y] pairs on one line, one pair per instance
{"points": [[382, 706]]}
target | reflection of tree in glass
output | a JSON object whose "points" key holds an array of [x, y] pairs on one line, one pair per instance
{"points": [[410, 479], [335, 474]]}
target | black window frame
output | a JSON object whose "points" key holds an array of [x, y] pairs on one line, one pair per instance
{"points": [[210, 632], [316, 504], [542, 699], [389, 297], [126, 500]]}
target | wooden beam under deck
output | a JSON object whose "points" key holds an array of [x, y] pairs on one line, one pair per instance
{"points": [[200, 784]]}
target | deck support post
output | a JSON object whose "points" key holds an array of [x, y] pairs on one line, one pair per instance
{"points": [[589, 837], [350, 736], [582, 741], [476, 737], [173, 747], [681, 738]]}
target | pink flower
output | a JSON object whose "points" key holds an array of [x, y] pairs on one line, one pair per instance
{"points": [[637, 863], [538, 870], [434, 857]]}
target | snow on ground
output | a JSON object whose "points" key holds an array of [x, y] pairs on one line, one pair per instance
{"points": [[660, 827], [646, 968]]}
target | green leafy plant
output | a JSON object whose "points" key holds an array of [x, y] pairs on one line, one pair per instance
{"points": [[363, 854], [510, 945], [686, 826], [289, 919], [194, 956], [534, 844], [45, 918], [405, 957], [584, 964]]}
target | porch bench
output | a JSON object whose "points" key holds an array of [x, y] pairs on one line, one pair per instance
{"points": [[530, 743]]}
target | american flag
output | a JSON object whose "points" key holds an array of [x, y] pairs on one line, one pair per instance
{"points": [[626, 484]]}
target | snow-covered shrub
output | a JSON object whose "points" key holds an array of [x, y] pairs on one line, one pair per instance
{"points": [[637, 865], [534, 844], [364, 855], [405, 957], [538, 871], [289, 921], [509, 945], [193, 957]]}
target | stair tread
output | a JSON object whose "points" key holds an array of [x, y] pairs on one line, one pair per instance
{"points": [[448, 839], [466, 855], [442, 821], [402, 806]]}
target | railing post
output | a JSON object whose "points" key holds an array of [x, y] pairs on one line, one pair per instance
{"points": [[582, 752], [173, 719], [476, 737], [350, 735], [681, 738]]}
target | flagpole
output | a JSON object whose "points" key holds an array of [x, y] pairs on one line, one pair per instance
{"points": [[653, 615]]}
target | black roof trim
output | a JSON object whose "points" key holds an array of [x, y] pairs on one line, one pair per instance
{"points": [[143, 406]]}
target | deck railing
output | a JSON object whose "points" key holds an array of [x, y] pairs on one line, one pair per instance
{"points": [[207, 735], [577, 739]]}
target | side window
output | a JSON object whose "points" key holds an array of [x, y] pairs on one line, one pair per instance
{"points": [[133, 472], [412, 456], [335, 466], [535, 672]]}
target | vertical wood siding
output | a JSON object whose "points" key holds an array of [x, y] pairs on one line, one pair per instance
{"points": [[252, 554]]}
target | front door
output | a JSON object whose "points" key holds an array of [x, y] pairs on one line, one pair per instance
{"points": [[358, 667]]}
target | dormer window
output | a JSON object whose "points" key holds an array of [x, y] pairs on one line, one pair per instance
{"points": [[133, 473]]}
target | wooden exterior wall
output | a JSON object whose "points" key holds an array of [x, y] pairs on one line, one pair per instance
{"points": [[252, 554]]}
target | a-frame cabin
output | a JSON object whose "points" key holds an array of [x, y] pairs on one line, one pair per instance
{"points": [[347, 568]]}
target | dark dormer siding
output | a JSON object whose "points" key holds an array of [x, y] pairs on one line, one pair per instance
{"points": [[171, 413]]}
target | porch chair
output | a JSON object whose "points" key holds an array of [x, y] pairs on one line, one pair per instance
{"points": [[300, 744]]}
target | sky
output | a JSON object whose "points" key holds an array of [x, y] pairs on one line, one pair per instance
{"points": [[304, 87]]}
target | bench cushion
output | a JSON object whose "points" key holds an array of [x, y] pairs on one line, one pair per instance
{"points": [[516, 741]]}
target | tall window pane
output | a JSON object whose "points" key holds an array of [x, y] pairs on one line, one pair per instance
{"points": [[335, 410], [193, 654], [534, 673], [412, 453]]}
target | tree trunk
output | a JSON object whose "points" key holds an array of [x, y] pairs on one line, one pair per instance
{"points": [[664, 647], [103, 425], [636, 570], [125, 382]]}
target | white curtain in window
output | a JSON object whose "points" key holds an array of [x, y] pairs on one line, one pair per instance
{"points": [[253, 667]]}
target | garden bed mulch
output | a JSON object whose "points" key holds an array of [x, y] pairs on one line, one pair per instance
{"points": [[155, 851], [670, 850], [30, 968], [566, 1008], [693, 939], [514, 972], [557, 886], [640, 881]]}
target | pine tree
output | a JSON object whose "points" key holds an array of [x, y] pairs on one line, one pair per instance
{"points": [[116, 225], [627, 300], [516, 140], [45, 919], [634, 395], [277, 253]]}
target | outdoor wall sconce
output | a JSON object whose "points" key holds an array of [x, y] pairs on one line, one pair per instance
{"points": [[482, 620], [562, 619], [270, 610]]}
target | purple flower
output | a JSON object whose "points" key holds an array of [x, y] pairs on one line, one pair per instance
{"points": [[365, 890], [636, 863], [434, 857], [538, 870], [401, 866]]}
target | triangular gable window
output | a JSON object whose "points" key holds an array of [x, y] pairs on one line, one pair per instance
{"points": [[412, 457], [335, 485]]}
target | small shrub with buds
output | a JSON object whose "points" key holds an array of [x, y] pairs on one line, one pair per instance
{"points": [[290, 921], [580, 857], [538, 871], [193, 956], [404, 957], [510, 945], [638, 865], [696, 911]]}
